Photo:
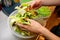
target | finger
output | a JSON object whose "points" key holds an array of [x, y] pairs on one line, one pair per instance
{"points": [[23, 26], [38, 6], [31, 20], [32, 4]]}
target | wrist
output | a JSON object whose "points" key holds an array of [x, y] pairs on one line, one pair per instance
{"points": [[42, 30]]}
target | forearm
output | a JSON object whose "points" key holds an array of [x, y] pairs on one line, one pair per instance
{"points": [[48, 34], [50, 2]]}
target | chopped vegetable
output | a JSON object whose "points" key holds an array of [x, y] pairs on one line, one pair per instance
{"points": [[43, 11], [24, 4]]}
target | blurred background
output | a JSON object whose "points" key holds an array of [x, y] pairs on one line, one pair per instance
{"points": [[7, 6]]}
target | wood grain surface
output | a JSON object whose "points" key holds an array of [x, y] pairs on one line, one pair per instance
{"points": [[52, 21]]}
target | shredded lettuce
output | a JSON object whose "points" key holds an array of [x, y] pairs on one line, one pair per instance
{"points": [[24, 4], [43, 11]]}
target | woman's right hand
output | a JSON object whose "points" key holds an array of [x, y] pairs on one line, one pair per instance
{"points": [[34, 26]]}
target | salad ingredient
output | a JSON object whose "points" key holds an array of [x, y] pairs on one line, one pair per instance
{"points": [[43, 11]]}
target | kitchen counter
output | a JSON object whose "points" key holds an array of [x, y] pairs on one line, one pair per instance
{"points": [[5, 32]]}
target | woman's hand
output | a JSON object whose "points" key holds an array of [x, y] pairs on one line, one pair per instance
{"points": [[37, 28], [34, 4], [33, 27]]}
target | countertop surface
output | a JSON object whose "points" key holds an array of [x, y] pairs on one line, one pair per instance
{"points": [[5, 32]]}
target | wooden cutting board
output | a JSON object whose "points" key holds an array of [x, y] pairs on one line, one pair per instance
{"points": [[49, 25]]}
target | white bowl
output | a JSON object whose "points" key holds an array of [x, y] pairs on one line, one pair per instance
{"points": [[16, 34]]}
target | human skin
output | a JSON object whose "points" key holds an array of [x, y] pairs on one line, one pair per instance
{"points": [[38, 28], [38, 3]]}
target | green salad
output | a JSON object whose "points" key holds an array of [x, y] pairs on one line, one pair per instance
{"points": [[24, 13]]}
